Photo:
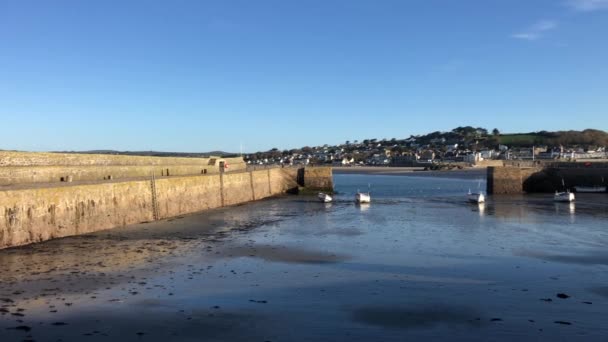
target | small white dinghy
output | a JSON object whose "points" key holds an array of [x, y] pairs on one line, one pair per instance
{"points": [[563, 196], [476, 197], [323, 197], [362, 197]]}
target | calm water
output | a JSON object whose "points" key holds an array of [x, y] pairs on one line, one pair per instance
{"points": [[419, 262]]}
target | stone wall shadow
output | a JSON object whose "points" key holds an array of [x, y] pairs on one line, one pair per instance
{"points": [[300, 177], [560, 179], [541, 181]]}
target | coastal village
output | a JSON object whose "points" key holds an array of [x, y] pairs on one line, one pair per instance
{"points": [[466, 145]]}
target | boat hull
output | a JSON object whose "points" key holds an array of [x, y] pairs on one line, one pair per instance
{"points": [[362, 198], [476, 198], [325, 198], [590, 189], [564, 197]]}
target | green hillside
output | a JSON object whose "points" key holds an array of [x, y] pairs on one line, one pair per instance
{"points": [[521, 139], [588, 137]]}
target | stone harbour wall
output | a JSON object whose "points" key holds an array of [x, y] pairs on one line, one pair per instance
{"points": [[508, 180], [41, 213], [318, 178], [32, 167], [516, 180], [11, 158]]}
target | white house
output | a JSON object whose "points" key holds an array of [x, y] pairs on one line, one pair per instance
{"points": [[487, 154], [473, 158]]}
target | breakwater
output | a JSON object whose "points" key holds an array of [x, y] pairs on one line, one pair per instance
{"points": [[27, 167], [547, 177], [36, 211]]}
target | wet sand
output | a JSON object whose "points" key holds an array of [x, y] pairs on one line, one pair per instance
{"points": [[418, 263]]}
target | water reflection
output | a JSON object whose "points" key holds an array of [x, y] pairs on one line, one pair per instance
{"points": [[481, 209], [566, 208], [533, 208], [363, 207]]}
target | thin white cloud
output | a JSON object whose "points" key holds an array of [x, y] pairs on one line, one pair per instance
{"points": [[536, 31], [588, 5]]}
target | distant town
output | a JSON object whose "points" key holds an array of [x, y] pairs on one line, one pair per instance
{"points": [[470, 145], [461, 146]]}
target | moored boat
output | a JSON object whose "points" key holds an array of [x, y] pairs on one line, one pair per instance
{"points": [[362, 197], [323, 197], [476, 197], [563, 196], [590, 189]]}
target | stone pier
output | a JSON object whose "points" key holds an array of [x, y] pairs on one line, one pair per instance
{"points": [[34, 211]]}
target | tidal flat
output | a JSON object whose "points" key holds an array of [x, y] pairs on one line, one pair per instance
{"points": [[417, 263]]}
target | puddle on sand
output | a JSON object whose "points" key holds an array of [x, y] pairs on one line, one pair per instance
{"points": [[214, 324], [284, 254], [600, 290], [594, 258], [416, 317], [347, 231]]}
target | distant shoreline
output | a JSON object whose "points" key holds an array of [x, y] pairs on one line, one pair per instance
{"points": [[469, 173]]}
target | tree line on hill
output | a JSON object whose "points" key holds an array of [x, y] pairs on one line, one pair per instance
{"points": [[482, 137], [586, 138]]}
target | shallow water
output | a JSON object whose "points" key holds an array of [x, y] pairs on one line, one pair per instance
{"points": [[418, 262]]}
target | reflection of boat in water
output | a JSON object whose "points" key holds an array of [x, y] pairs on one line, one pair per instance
{"points": [[563, 196], [590, 189], [567, 207], [323, 197], [476, 197], [363, 206], [362, 197], [482, 208]]}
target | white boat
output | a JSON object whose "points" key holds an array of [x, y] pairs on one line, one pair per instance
{"points": [[592, 189], [476, 197], [362, 197], [323, 197], [563, 196]]}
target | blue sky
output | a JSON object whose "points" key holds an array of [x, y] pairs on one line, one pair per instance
{"points": [[211, 75]]}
